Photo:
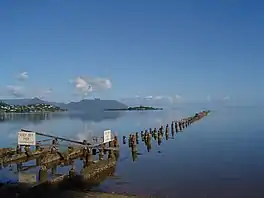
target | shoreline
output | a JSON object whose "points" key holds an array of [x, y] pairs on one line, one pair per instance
{"points": [[28, 113], [76, 194], [109, 110]]}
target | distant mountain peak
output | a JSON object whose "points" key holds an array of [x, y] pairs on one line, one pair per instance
{"points": [[35, 98]]}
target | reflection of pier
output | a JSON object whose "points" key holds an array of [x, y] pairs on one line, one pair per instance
{"points": [[97, 158]]}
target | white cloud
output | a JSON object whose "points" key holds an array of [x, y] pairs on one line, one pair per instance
{"points": [[48, 91], [87, 85], [164, 98], [147, 97], [177, 96], [45, 93], [82, 86], [153, 100], [23, 76], [158, 97], [20, 91], [100, 83], [226, 98], [26, 92], [16, 91], [178, 99], [219, 99]]}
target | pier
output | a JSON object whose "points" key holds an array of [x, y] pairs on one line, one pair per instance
{"points": [[98, 157]]}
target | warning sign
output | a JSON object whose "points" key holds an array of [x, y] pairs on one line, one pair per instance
{"points": [[107, 136], [26, 138]]}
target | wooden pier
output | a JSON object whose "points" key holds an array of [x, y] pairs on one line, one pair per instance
{"points": [[99, 158]]}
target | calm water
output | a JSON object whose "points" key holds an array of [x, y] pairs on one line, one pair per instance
{"points": [[219, 156]]}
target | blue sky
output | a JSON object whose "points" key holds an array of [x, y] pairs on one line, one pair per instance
{"points": [[171, 50]]}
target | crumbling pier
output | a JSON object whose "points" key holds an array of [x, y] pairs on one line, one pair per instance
{"points": [[98, 157]]}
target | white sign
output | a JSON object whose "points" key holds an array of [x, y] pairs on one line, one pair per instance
{"points": [[26, 138], [27, 177], [107, 136]]}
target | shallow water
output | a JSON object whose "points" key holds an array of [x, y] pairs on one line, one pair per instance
{"points": [[220, 156]]}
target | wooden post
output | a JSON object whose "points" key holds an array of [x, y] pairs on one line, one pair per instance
{"points": [[104, 148], [167, 128], [159, 138], [70, 149], [72, 172], [148, 143], [43, 174], [27, 150], [101, 154], [150, 131], [54, 170], [18, 149], [116, 144], [111, 144], [134, 149], [89, 157], [111, 154]]}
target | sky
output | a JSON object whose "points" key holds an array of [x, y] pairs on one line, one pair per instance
{"points": [[152, 50]]}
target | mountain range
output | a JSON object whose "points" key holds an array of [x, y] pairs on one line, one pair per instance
{"points": [[91, 105]]}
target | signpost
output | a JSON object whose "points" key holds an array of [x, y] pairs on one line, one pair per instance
{"points": [[107, 136], [26, 138]]}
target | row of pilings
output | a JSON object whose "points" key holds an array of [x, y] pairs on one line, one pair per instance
{"points": [[146, 136]]}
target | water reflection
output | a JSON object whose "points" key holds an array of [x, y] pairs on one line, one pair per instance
{"points": [[38, 117], [219, 156], [73, 125], [50, 170]]}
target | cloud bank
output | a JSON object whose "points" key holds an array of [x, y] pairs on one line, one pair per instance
{"points": [[16, 91], [85, 86], [22, 76], [19, 90], [160, 100]]}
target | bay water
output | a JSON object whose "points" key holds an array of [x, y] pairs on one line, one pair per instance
{"points": [[221, 155]]}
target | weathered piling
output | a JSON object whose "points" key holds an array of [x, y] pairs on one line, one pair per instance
{"points": [[57, 156], [115, 141], [93, 169], [88, 157], [22, 156], [101, 154], [7, 152], [159, 138], [134, 147], [90, 169], [148, 142]]}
